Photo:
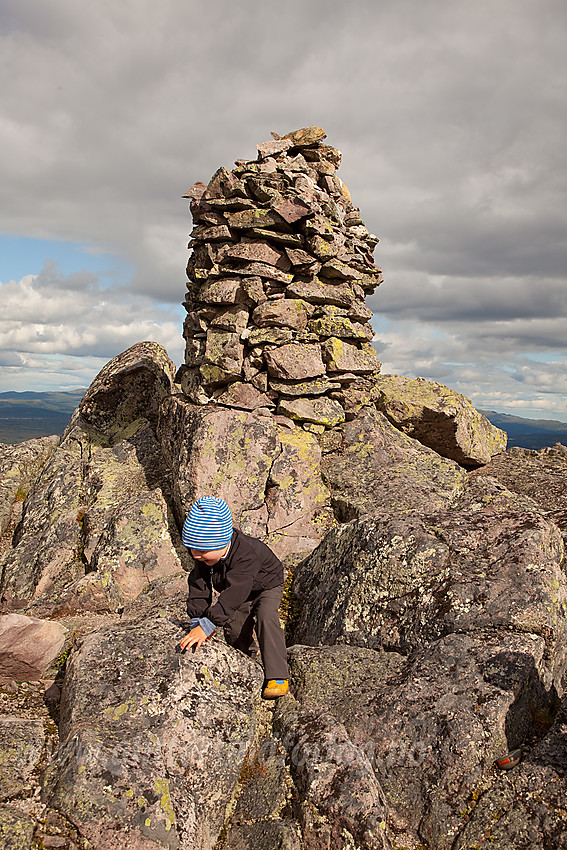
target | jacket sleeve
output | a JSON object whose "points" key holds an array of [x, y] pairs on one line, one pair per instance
{"points": [[239, 581], [200, 593]]}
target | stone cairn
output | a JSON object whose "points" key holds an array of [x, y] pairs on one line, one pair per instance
{"points": [[281, 263]]}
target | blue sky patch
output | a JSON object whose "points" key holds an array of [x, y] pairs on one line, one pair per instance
{"points": [[20, 256]]}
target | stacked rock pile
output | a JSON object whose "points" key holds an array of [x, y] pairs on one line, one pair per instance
{"points": [[281, 263]]}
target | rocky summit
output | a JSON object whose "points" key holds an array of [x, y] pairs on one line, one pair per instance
{"points": [[425, 603]]}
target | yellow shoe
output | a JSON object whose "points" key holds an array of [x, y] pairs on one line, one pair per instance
{"points": [[275, 688]]}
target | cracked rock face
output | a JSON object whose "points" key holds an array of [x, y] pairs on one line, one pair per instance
{"points": [[152, 741], [444, 638], [281, 264], [97, 526], [20, 465]]}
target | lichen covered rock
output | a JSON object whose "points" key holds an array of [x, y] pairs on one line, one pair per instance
{"points": [[20, 465], [21, 747], [432, 724], [371, 467], [151, 739], [439, 418], [270, 477], [402, 582], [541, 475], [105, 490]]}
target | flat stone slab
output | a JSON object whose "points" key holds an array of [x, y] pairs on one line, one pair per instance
{"points": [[285, 312], [295, 362], [320, 411], [341, 356]]}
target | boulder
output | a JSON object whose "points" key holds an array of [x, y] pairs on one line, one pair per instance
{"points": [[341, 356], [341, 803], [49, 539], [342, 328], [305, 136], [20, 465], [96, 593], [298, 389], [285, 312], [106, 479], [232, 319], [298, 502], [260, 252], [139, 544], [112, 504], [270, 477], [271, 148], [129, 387], [223, 358], [439, 418], [152, 741], [403, 582], [21, 748], [525, 805], [227, 290], [28, 646], [244, 396], [247, 219], [222, 452], [371, 467], [280, 835], [316, 292], [461, 615], [16, 829], [431, 724], [336, 268]]}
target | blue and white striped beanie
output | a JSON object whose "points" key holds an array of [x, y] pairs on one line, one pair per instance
{"points": [[208, 525]]}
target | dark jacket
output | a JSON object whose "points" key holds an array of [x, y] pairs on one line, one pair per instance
{"points": [[249, 568]]}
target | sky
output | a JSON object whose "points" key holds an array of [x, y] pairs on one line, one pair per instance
{"points": [[451, 119]]}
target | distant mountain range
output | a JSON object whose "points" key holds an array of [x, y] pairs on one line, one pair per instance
{"points": [[29, 414], [529, 433]]}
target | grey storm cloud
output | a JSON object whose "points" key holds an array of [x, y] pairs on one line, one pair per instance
{"points": [[450, 117], [472, 299]]}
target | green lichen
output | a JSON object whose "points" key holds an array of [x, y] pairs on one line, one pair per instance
{"points": [[61, 660]]}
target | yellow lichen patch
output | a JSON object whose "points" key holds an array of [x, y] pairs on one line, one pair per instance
{"points": [[115, 712], [162, 790]]}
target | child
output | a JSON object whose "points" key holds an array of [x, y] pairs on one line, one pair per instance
{"points": [[249, 578]]}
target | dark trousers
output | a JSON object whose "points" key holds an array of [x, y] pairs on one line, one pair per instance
{"points": [[261, 611]]}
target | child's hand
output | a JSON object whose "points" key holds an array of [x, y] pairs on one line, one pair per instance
{"points": [[196, 638]]}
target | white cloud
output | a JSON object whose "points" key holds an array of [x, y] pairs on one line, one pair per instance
{"points": [[52, 317]]}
